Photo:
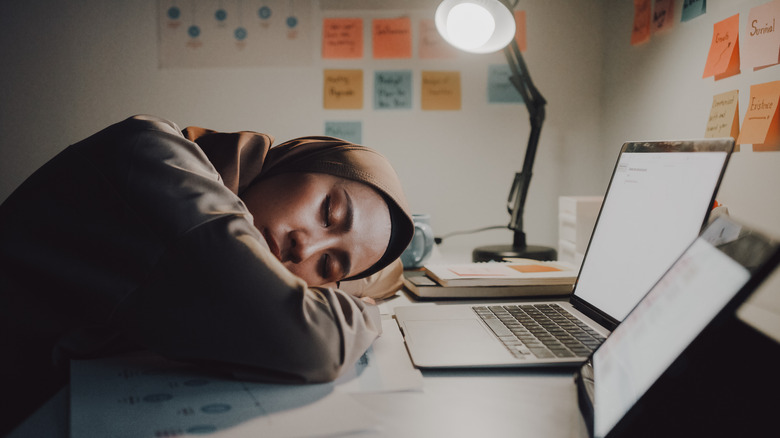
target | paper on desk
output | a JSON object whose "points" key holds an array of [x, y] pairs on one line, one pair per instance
{"points": [[385, 367], [149, 396]]}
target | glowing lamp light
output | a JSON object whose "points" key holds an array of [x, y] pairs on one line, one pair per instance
{"points": [[476, 26]]}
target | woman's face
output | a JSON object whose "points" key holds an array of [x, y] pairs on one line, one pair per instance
{"points": [[321, 227]]}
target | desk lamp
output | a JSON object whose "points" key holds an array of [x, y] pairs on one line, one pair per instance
{"points": [[485, 26]]}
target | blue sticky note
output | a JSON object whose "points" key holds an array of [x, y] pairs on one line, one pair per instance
{"points": [[693, 8], [393, 89], [349, 131], [500, 90]]}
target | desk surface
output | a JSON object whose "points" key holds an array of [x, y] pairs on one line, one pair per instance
{"points": [[495, 403]]}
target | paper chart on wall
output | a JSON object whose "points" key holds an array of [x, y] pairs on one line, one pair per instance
{"points": [[234, 33]]}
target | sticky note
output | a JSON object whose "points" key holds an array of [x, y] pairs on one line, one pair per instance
{"points": [[431, 45], [392, 38], [724, 116], [692, 9], [663, 15], [500, 89], [393, 89], [761, 126], [640, 32], [762, 37], [440, 90], [342, 89], [342, 38], [723, 57], [351, 131], [520, 30]]}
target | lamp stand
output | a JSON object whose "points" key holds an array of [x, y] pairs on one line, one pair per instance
{"points": [[535, 103]]}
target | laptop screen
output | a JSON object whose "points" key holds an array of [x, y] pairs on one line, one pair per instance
{"points": [[657, 201], [698, 286]]}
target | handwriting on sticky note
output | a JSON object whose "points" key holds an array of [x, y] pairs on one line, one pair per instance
{"points": [[723, 120], [762, 37], [342, 38], [392, 38], [663, 15], [758, 127], [393, 89], [440, 90], [343, 89], [723, 57], [431, 45]]}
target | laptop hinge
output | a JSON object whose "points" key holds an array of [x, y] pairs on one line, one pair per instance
{"points": [[593, 313]]}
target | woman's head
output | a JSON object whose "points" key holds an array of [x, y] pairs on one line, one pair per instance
{"points": [[307, 179], [323, 228]]}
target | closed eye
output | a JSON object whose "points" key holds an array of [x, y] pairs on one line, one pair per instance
{"points": [[326, 212], [325, 268]]}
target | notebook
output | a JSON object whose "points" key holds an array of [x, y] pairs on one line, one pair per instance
{"points": [[672, 368], [657, 201]]}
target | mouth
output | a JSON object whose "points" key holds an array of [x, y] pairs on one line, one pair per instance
{"points": [[272, 245]]}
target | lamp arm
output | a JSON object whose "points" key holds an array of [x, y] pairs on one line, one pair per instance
{"points": [[535, 103]]}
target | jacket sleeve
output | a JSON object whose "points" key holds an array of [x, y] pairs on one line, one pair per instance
{"points": [[219, 297]]}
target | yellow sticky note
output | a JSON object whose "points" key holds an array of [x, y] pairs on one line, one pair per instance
{"points": [[724, 116], [342, 89], [723, 57], [440, 90], [431, 45], [392, 38], [342, 38], [640, 32], [761, 126]]}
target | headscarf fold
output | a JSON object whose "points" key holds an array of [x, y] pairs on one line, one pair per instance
{"points": [[242, 158]]}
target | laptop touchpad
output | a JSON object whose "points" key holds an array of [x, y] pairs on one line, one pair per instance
{"points": [[457, 340]]}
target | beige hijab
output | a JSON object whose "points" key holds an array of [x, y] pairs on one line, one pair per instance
{"points": [[244, 157]]}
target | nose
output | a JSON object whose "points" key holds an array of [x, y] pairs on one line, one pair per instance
{"points": [[304, 245]]}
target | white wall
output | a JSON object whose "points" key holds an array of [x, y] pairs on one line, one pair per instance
{"points": [[71, 68], [655, 91]]}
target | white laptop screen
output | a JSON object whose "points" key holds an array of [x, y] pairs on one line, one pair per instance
{"points": [[654, 208], [660, 328]]}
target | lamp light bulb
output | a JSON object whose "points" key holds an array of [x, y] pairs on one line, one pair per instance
{"points": [[470, 25]]}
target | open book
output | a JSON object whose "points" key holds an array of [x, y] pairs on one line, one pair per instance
{"points": [[516, 272]]}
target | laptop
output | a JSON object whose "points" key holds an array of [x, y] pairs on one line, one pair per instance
{"points": [[657, 201], [682, 363]]}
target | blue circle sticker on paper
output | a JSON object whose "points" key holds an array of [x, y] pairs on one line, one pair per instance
{"points": [[292, 22], [220, 15], [193, 31], [240, 33], [174, 13], [216, 408], [264, 12]]}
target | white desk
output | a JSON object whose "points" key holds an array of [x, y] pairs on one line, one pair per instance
{"points": [[452, 403]]}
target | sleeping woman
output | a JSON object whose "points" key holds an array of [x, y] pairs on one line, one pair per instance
{"points": [[208, 247]]}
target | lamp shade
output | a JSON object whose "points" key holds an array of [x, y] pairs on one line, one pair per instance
{"points": [[476, 26]]}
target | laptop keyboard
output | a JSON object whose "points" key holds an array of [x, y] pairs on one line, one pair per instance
{"points": [[541, 330]]}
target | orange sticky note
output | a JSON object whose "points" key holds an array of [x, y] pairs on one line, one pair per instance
{"points": [[342, 38], [342, 89], [761, 126], [723, 58], [724, 116], [440, 90], [392, 38], [431, 45], [520, 30], [640, 32], [663, 15]]}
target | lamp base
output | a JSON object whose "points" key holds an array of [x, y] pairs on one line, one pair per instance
{"points": [[498, 253]]}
